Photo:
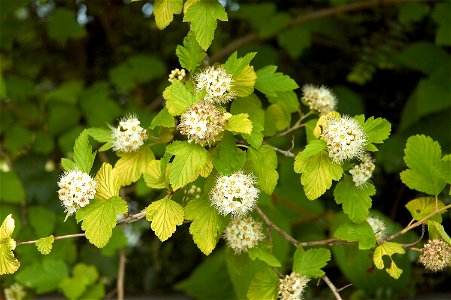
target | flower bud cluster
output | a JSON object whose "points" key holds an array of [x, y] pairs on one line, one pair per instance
{"points": [[345, 139], [76, 189], [362, 172], [202, 123], [129, 135], [194, 192], [320, 99], [234, 194], [177, 74], [243, 234], [378, 227], [15, 292], [217, 84], [436, 255], [292, 286]]}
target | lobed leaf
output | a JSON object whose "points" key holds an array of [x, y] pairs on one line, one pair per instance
{"points": [[265, 285], [270, 82], [83, 156], [259, 252], [239, 124], [164, 11], [190, 54], [45, 244], [155, 177], [244, 76], [377, 131], [264, 166], [165, 215], [388, 248], [309, 263], [361, 233], [422, 207], [108, 182], [229, 159], [132, 165], [178, 98]]}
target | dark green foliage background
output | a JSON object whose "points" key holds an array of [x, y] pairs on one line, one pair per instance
{"points": [[58, 77]]}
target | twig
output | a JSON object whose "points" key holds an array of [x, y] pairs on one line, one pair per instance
{"points": [[121, 275], [276, 228], [332, 287], [286, 153], [417, 241], [62, 237]]}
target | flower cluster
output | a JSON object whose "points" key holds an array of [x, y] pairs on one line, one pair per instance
{"points": [[243, 234], [292, 286], [194, 192], [345, 139], [234, 194], [320, 99], [362, 172], [177, 74], [436, 255], [128, 136], [76, 189], [15, 292], [378, 227], [202, 123], [217, 84]]}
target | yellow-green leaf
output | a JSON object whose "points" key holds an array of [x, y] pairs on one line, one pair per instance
{"points": [[165, 215], [108, 182], [239, 124], [178, 98], [264, 164], [45, 244], [265, 285], [132, 165], [244, 76], [388, 248], [164, 11], [422, 207], [154, 177], [8, 263]]}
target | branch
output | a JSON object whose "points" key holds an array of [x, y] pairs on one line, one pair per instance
{"points": [[121, 275], [332, 287], [281, 232]]}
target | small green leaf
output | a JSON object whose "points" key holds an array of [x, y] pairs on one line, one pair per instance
{"points": [[244, 76], [422, 207], [190, 54], [388, 248], [165, 215], [206, 226], [377, 130], [264, 165], [230, 159], [99, 218], [422, 154], [83, 156], [178, 98], [239, 124], [11, 188], [43, 276], [309, 263], [163, 119], [101, 135], [45, 244], [83, 277], [312, 148], [190, 162], [361, 233], [108, 182], [317, 171], [259, 252], [155, 177], [437, 231], [270, 82], [68, 165], [356, 201], [203, 16], [444, 168], [277, 117], [132, 165], [164, 11], [265, 285]]}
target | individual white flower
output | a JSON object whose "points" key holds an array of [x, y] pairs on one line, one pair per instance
{"points": [[436, 255], [76, 190], [15, 292], [362, 172], [234, 194], [320, 99], [129, 135], [177, 74], [202, 123], [345, 139], [378, 227], [243, 234], [292, 286], [217, 84]]}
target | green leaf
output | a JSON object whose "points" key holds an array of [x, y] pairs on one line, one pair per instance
{"points": [[132, 165], [356, 201], [45, 244], [117, 241], [108, 182], [377, 130], [101, 135], [244, 76], [163, 119], [155, 177], [441, 17], [265, 285], [164, 11], [95, 292], [288, 100], [190, 54], [43, 276], [444, 168], [67, 92], [312, 148], [295, 40], [8, 263], [309, 263], [62, 25], [99, 218], [361, 233], [388, 248], [83, 155], [422, 154], [165, 215], [270, 82], [206, 226], [277, 116], [259, 252], [230, 159], [178, 98], [203, 16], [317, 171], [11, 188], [239, 124], [190, 162], [35, 216], [83, 276], [437, 231], [422, 207], [264, 165], [68, 165]]}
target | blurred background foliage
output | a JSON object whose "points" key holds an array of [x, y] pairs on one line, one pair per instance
{"points": [[71, 64]]}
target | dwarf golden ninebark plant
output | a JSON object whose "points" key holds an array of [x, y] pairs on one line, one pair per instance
{"points": [[212, 157]]}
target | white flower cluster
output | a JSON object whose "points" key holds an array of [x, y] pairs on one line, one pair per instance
{"points": [[76, 189], [177, 74], [15, 292], [363, 171], [436, 255], [234, 194], [292, 286], [202, 123], [378, 227], [320, 99], [217, 83], [243, 234], [345, 139], [129, 135]]}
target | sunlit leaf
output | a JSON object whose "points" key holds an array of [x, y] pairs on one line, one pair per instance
{"points": [[388, 248], [165, 215]]}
